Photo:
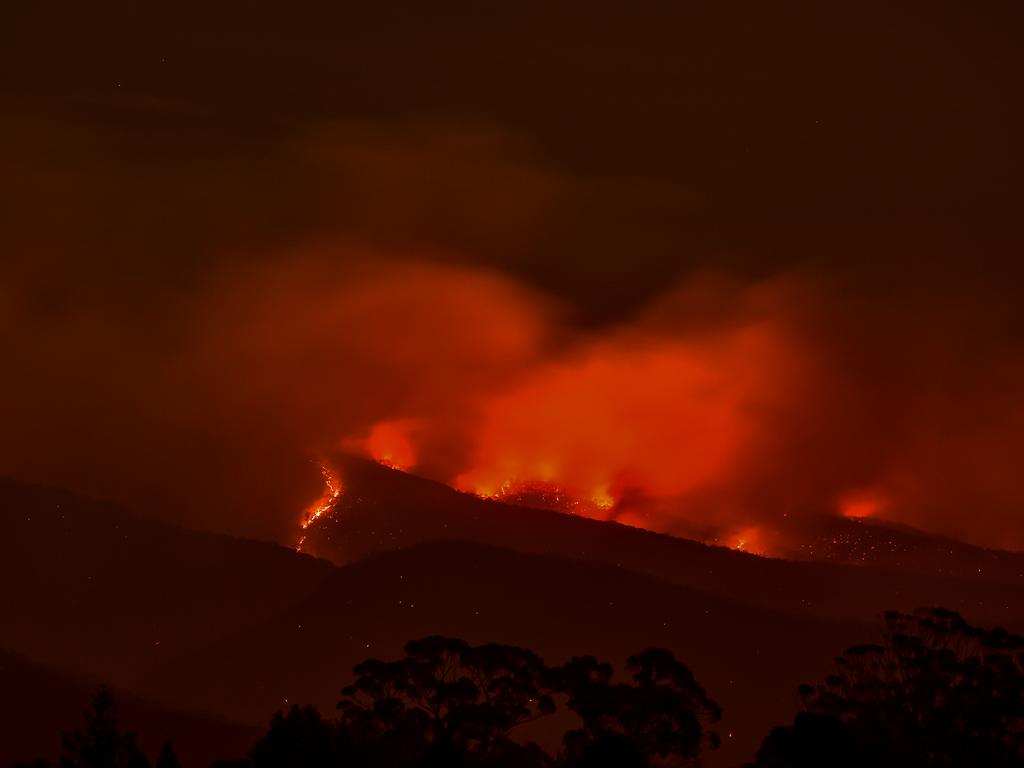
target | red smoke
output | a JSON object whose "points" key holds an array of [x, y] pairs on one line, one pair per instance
{"points": [[720, 408], [665, 417], [726, 405]]}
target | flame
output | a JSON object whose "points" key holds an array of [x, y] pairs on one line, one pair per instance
{"points": [[545, 494], [389, 443], [669, 420], [750, 540], [864, 503], [323, 505], [602, 498]]}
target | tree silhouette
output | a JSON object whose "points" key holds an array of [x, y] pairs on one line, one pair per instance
{"points": [[300, 738], [663, 716], [101, 744], [449, 704], [445, 700], [813, 741], [936, 692], [167, 757]]}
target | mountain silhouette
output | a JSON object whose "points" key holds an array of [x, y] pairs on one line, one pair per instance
{"points": [[382, 509], [241, 628]]}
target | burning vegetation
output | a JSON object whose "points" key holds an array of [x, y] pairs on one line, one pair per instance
{"points": [[324, 505], [721, 405]]}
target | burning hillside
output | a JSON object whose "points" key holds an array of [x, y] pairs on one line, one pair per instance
{"points": [[324, 505], [720, 405]]}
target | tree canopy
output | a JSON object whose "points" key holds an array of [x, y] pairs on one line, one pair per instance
{"points": [[936, 691]]}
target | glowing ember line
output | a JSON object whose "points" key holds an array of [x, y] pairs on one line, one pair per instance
{"points": [[323, 505], [542, 494]]}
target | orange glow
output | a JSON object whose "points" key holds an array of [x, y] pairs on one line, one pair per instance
{"points": [[748, 540], [602, 498], [540, 494], [714, 408], [390, 444], [862, 504], [669, 418], [323, 505]]}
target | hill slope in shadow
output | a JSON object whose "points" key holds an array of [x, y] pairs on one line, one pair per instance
{"points": [[382, 509], [749, 658], [39, 702], [241, 628], [90, 588]]}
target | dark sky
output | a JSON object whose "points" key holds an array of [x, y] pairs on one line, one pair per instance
{"points": [[599, 153], [746, 135]]}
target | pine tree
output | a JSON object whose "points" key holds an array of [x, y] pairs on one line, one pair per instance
{"points": [[101, 744], [167, 757]]}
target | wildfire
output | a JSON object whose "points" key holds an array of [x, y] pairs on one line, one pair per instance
{"points": [[324, 504], [540, 494], [602, 498], [862, 504], [674, 418], [752, 540], [389, 442]]}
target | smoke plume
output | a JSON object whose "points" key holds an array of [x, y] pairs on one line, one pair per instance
{"points": [[384, 291]]}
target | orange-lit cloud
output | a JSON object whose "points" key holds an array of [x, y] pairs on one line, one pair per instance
{"points": [[390, 443], [669, 416], [725, 404]]}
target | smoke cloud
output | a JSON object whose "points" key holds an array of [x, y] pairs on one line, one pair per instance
{"points": [[383, 291]]}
